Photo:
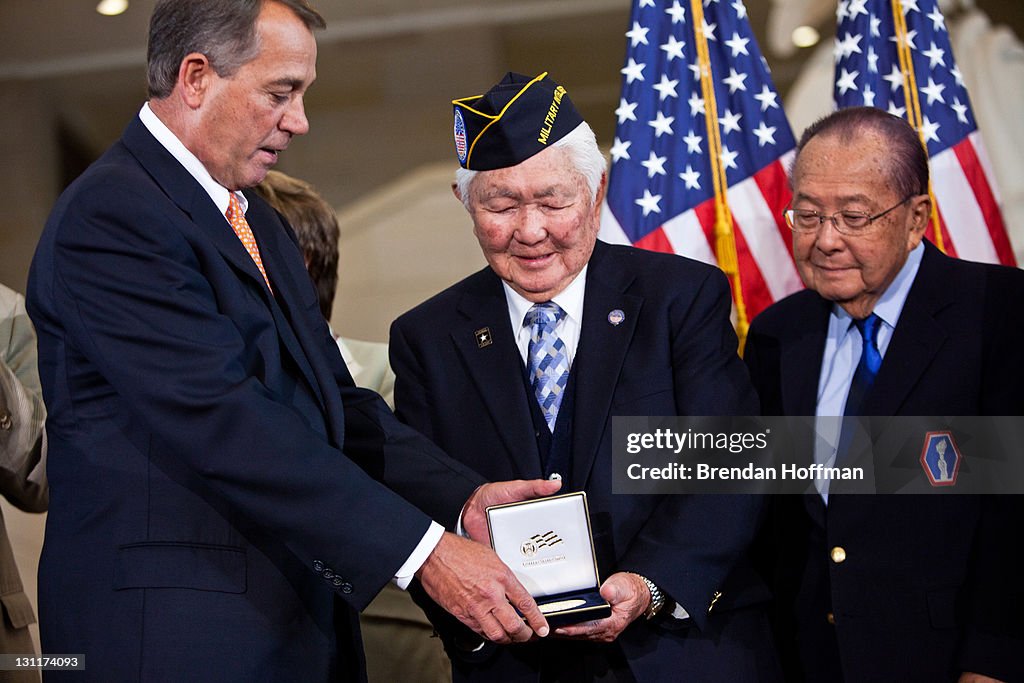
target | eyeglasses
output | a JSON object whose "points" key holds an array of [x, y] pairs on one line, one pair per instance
{"points": [[846, 222]]}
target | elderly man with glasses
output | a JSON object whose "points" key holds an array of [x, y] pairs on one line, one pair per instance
{"points": [[897, 587]]}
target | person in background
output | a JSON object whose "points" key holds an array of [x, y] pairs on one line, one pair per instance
{"points": [[223, 499], [912, 588], [22, 467], [519, 369], [397, 636]]}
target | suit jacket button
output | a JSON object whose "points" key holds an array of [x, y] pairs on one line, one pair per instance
{"points": [[838, 554], [555, 476], [318, 566], [328, 574], [5, 422], [830, 618]]}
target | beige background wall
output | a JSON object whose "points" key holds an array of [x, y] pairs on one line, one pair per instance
{"points": [[28, 176], [399, 245]]}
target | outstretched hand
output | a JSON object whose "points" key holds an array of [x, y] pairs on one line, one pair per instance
{"points": [[629, 597], [474, 517], [468, 580]]}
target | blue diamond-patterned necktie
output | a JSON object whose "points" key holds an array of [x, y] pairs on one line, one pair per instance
{"points": [[547, 360]]}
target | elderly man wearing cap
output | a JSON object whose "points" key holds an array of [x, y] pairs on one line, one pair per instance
{"points": [[518, 370]]}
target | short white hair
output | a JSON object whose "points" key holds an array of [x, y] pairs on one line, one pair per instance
{"points": [[586, 157]]}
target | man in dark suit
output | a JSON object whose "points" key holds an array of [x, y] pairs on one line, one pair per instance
{"points": [[631, 333], [214, 511], [888, 588]]}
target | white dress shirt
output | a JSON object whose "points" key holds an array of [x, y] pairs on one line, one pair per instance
{"points": [[843, 345], [568, 328]]}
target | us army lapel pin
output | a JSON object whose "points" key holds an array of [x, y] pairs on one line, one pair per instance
{"points": [[483, 337]]}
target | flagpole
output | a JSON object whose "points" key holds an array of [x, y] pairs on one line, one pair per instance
{"points": [[725, 238], [913, 102]]}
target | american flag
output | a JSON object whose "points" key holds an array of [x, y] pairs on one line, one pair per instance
{"points": [[887, 51], [662, 187]]}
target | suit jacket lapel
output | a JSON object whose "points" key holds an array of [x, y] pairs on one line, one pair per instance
{"points": [[195, 203], [190, 197], [916, 340], [292, 327], [800, 369], [800, 361], [599, 358], [496, 369]]}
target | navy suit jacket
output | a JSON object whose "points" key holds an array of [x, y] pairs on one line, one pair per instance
{"points": [[674, 353], [214, 513], [927, 585]]}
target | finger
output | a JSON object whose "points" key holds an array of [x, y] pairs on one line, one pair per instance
{"points": [[526, 605], [538, 488], [545, 487], [623, 587], [513, 624], [519, 489], [523, 489], [491, 628], [610, 591], [626, 594], [581, 630]]}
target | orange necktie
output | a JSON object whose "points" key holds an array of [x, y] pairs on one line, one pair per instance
{"points": [[241, 227]]}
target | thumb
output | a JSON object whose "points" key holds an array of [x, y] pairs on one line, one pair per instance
{"points": [[610, 591], [520, 489], [546, 487]]}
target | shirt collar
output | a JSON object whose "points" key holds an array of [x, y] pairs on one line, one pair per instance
{"points": [[220, 195], [569, 299], [890, 304]]}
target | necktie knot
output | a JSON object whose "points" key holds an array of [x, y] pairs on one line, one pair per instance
{"points": [[870, 355], [544, 314], [234, 207]]}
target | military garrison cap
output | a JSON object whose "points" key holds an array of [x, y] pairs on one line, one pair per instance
{"points": [[517, 118]]}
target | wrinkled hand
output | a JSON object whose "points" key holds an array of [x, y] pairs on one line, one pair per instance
{"points": [[469, 580], [474, 517], [629, 597], [968, 677]]}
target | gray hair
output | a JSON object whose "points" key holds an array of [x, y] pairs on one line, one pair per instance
{"points": [[906, 159], [586, 157], [223, 30]]}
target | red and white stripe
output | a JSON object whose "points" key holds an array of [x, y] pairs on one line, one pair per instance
{"points": [[968, 204], [763, 240]]}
